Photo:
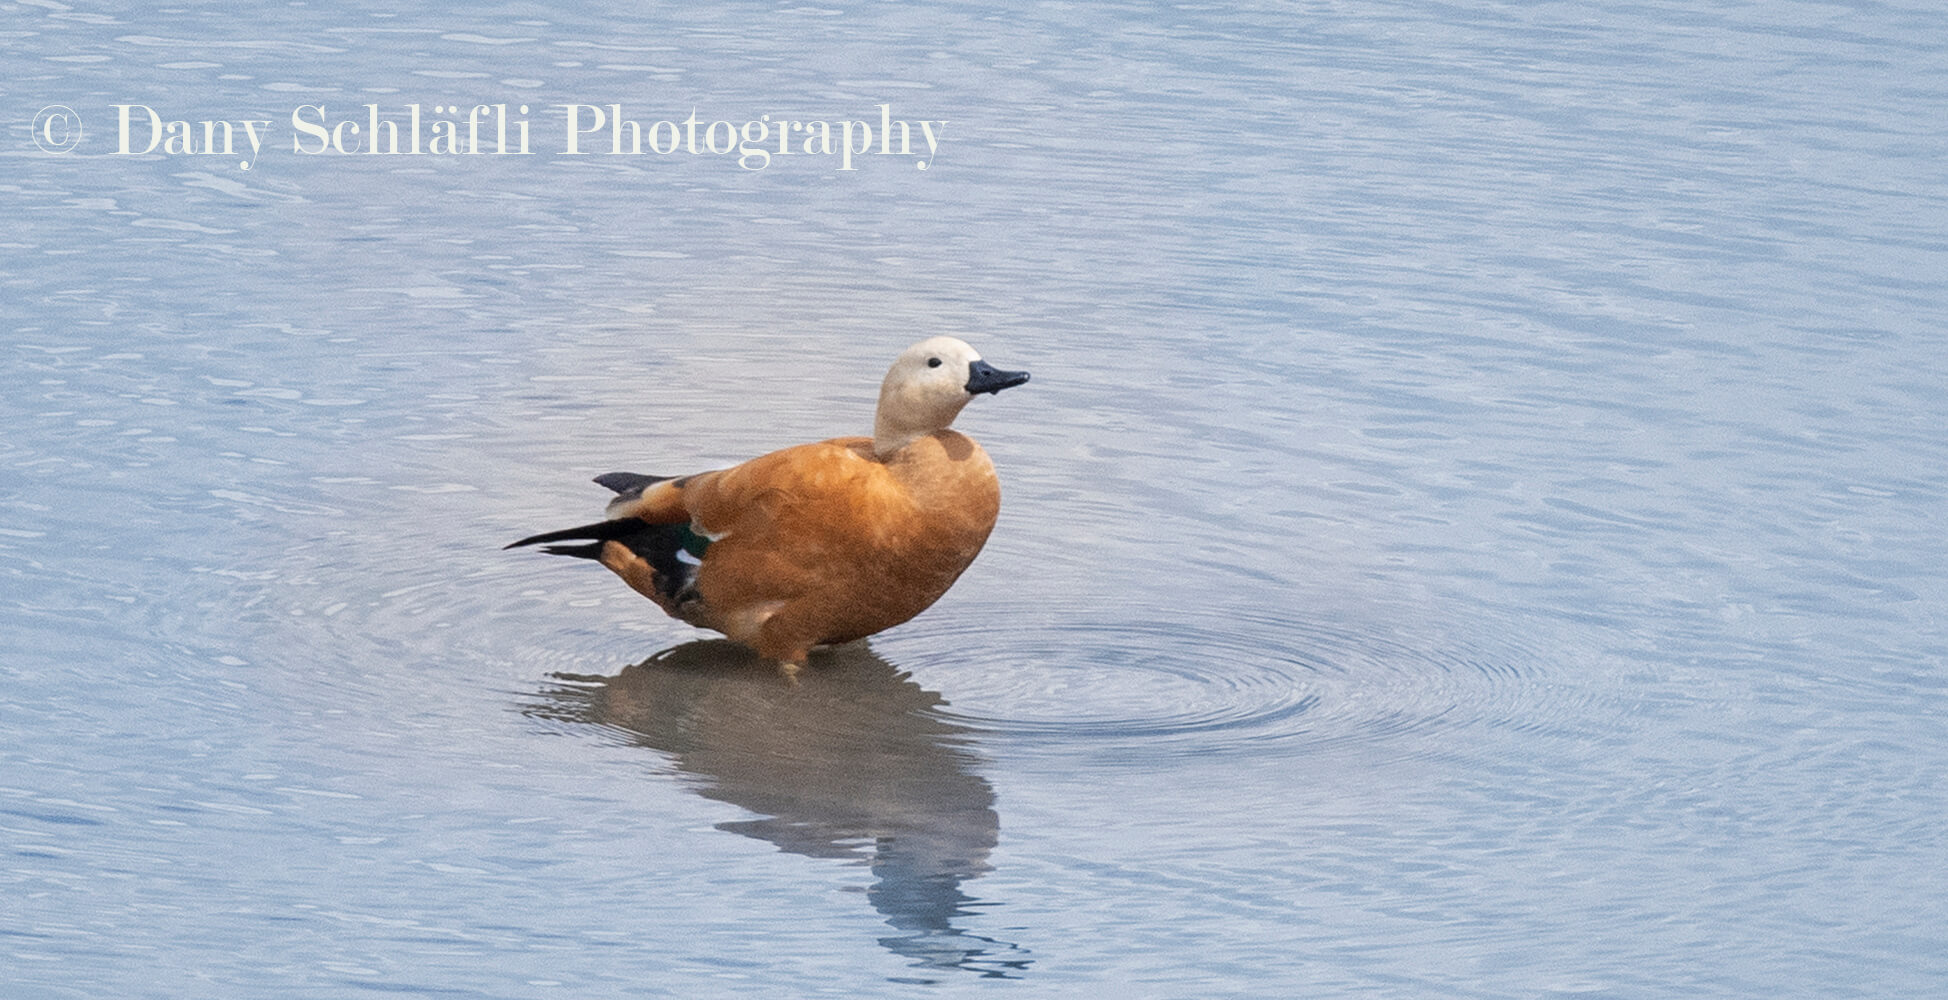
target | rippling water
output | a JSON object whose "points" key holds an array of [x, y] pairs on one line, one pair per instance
{"points": [[1475, 529]]}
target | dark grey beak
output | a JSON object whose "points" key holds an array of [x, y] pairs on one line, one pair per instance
{"points": [[983, 377]]}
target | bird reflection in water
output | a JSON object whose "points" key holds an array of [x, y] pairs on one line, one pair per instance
{"points": [[852, 762]]}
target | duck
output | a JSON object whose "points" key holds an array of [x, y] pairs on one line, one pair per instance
{"points": [[816, 544]]}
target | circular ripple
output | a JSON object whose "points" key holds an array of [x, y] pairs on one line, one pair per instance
{"points": [[1237, 683]]}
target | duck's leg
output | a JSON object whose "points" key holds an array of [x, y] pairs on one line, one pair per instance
{"points": [[780, 646]]}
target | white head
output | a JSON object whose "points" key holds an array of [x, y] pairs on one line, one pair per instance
{"points": [[926, 388]]}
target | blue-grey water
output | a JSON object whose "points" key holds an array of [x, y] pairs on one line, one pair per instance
{"points": [[1476, 528]]}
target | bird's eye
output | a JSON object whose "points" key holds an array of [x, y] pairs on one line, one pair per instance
{"points": [[933, 362]]}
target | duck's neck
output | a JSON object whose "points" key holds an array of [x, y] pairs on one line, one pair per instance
{"points": [[887, 441], [895, 427]]}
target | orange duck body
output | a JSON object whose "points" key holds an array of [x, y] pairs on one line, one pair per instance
{"points": [[820, 543]]}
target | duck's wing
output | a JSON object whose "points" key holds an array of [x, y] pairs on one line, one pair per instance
{"points": [[629, 485], [655, 499]]}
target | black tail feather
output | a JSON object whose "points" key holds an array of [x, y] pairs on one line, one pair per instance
{"points": [[657, 544], [601, 531], [592, 550]]}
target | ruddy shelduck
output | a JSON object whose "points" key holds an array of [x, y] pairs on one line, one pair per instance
{"points": [[820, 543]]}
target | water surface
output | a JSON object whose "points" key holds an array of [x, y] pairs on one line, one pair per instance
{"points": [[1475, 528]]}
